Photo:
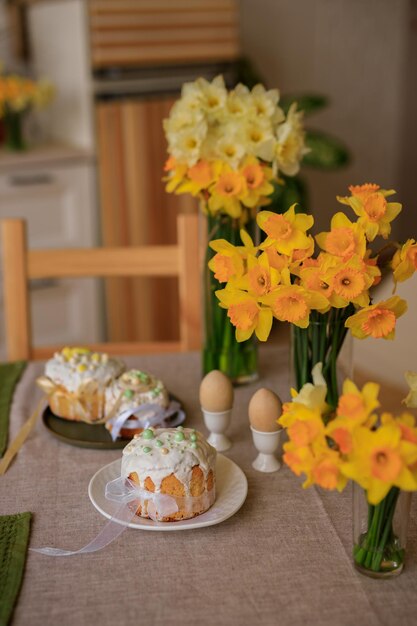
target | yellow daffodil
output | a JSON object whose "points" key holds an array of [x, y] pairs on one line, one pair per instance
{"points": [[304, 431], [344, 239], [404, 262], [200, 176], [228, 262], [358, 405], [370, 205], [287, 232], [245, 314], [260, 278], [258, 183], [378, 320], [318, 275], [227, 192], [299, 460], [293, 303], [300, 255], [351, 281], [406, 423], [355, 408], [295, 411], [380, 460], [326, 471], [411, 399]]}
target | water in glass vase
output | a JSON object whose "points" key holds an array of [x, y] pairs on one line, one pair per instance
{"points": [[380, 532]]}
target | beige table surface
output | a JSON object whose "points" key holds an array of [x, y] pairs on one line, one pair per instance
{"points": [[284, 558]]}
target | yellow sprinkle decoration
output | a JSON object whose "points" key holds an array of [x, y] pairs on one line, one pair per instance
{"points": [[81, 367]]}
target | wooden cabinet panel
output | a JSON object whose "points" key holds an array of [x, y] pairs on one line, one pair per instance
{"points": [[135, 209]]}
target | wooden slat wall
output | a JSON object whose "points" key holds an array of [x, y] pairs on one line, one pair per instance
{"points": [[146, 32], [135, 209]]}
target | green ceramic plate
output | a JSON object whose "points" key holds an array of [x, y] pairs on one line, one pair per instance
{"points": [[81, 434]]}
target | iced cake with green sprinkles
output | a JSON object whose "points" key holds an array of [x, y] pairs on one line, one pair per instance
{"points": [[178, 462]]}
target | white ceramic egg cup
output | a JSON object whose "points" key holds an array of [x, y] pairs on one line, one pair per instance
{"points": [[217, 424], [267, 445]]}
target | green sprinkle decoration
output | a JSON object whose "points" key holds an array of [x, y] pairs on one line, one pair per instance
{"points": [[193, 444], [148, 434], [147, 449], [180, 427], [129, 393], [193, 437], [158, 443], [179, 436]]}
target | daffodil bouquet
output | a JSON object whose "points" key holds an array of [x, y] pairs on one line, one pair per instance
{"points": [[227, 148], [353, 442], [17, 95], [323, 287]]}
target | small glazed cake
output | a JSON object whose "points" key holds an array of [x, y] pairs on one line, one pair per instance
{"points": [[131, 390], [75, 380], [178, 462]]}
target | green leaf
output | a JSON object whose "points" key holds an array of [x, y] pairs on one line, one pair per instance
{"points": [[326, 153], [308, 103]]}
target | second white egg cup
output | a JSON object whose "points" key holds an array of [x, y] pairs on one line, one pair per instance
{"points": [[217, 424], [267, 444]]}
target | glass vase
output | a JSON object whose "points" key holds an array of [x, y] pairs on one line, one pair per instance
{"points": [[221, 351], [380, 532], [325, 340], [13, 130]]}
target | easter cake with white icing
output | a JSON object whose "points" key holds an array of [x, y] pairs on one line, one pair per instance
{"points": [[178, 462], [75, 381], [131, 390]]}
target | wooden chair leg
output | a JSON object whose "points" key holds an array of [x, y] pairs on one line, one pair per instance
{"points": [[15, 289], [189, 277]]}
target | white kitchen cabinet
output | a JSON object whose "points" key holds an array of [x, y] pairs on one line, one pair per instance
{"points": [[54, 190]]}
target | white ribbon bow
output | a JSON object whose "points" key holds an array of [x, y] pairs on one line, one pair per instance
{"points": [[125, 492]]}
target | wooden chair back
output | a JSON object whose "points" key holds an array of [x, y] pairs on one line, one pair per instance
{"points": [[21, 265]]}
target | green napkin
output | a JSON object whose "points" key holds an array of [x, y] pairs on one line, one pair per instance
{"points": [[14, 536], [9, 376]]}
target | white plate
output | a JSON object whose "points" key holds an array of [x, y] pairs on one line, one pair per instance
{"points": [[231, 491]]}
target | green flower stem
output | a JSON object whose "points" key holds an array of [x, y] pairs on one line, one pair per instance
{"points": [[378, 542], [321, 342], [221, 350]]}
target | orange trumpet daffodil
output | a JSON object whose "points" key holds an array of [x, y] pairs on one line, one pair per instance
{"points": [[227, 193], [245, 314], [287, 232], [380, 460], [293, 303], [258, 185], [378, 320], [344, 239], [404, 262], [261, 278], [374, 212]]}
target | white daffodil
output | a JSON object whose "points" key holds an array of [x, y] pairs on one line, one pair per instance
{"points": [[290, 146], [265, 102], [313, 395], [212, 96], [259, 139], [180, 118], [185, 146], [229, 149], [411, 399]]}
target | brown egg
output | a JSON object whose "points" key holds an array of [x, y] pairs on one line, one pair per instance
{"points": [[216, 392], [264, 409]]}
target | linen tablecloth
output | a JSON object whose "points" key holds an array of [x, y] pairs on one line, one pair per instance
{"points": [[284, 558]]}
